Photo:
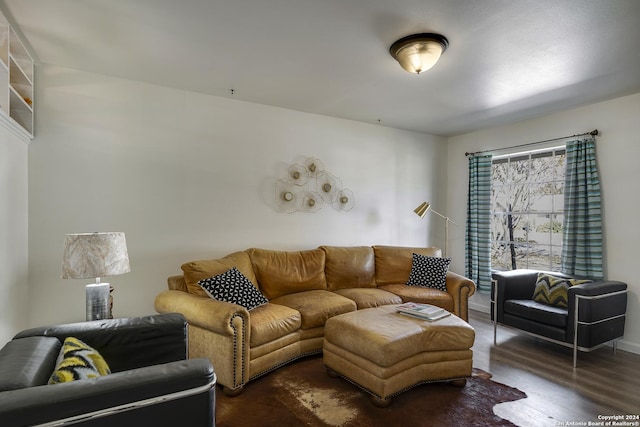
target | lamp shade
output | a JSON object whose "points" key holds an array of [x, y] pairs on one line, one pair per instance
{"points": [[422, 210], [419, 52], [94, 255]]}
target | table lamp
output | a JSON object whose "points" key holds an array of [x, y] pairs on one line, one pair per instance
{"points": [[95, 255]]}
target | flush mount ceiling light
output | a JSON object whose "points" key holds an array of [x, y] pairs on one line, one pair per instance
{"points": [[419, 52]]}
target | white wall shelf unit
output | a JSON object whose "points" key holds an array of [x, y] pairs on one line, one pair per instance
{"points": [[16, 83]]}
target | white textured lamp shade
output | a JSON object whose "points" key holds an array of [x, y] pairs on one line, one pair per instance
{"points": [[95, 255]]}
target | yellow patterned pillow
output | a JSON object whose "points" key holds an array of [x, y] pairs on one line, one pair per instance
{"points": [[553, 290], [78, 361]]}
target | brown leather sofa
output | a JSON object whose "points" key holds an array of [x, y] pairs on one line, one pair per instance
{"points": [[304, 289]]}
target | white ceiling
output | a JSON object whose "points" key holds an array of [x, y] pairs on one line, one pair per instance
{"points": [[507, 59]]}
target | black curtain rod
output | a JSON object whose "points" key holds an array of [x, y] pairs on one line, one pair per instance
{"points": [[592, 133]]}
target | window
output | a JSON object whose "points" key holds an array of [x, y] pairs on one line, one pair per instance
{"points": [[527, 204]]}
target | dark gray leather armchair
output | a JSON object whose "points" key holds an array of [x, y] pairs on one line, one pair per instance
{"points": [[152, 382], [595, 315]]}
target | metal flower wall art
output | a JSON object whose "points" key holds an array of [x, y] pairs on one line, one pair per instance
{"points": [[308, 187]]}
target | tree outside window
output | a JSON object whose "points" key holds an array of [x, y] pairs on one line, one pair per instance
{"points": [[527, 210]]}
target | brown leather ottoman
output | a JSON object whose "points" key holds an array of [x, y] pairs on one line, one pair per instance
{"points": [[386, 353]]}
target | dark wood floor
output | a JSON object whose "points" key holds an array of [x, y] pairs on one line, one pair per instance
{"points": [[604, 383]]}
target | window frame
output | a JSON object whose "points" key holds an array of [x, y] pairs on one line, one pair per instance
{"points": [[517, 244]]}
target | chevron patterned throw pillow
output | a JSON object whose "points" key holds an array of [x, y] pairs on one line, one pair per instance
{"points": [[553, 290], [78, 361]]}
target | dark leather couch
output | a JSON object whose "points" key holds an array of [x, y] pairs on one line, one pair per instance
{"points": [[597, 309], [152, 382]]}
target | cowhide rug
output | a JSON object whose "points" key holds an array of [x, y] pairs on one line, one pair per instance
{"points": [[302, 394]]}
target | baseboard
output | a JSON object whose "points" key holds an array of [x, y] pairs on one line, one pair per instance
{"points": [[629, 346], [479, 307]]}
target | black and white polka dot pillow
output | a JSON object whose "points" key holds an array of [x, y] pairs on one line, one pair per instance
{"points": [[234, 287], [429, 272]]}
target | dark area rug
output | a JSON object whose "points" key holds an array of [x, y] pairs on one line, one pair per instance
{"points": [[302, 394]]}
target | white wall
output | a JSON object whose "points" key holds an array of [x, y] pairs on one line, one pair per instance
{"points": [[618, 151], [188, 176], [13, 235]]}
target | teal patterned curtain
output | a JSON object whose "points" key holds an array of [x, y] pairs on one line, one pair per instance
{"points": [[582, 229], [478, 230]]}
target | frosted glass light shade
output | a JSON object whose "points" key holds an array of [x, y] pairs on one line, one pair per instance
{"points": [[94, 255], [419, 52]]}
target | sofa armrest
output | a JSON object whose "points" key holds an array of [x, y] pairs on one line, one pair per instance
{"points": [[515, 284], [127, 343], [460, 288], [507, 285], [601, 313], [604, 299], [207, 313], [458, 284], [597, 288], [129, 392], [219, 331]]}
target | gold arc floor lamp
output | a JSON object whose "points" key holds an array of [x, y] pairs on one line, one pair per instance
{"points": [[422, 210], [92, 256]]}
